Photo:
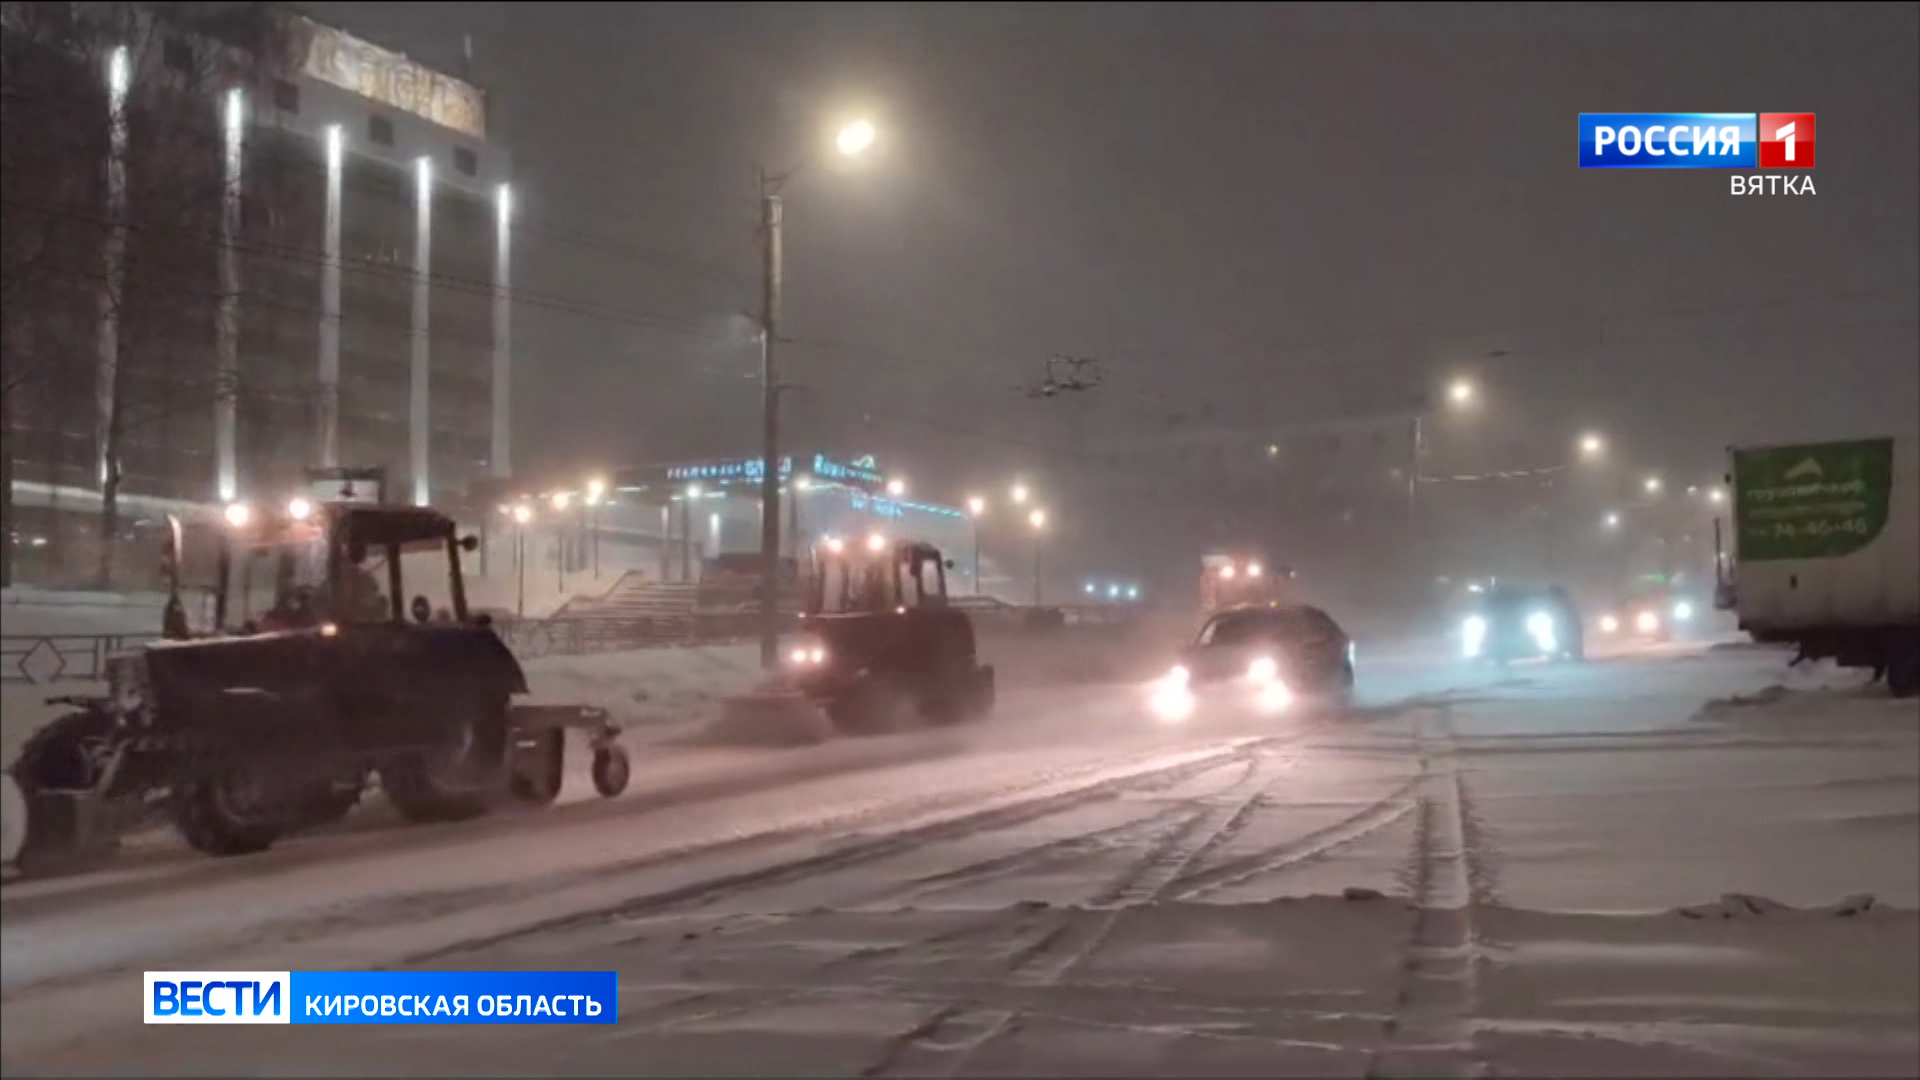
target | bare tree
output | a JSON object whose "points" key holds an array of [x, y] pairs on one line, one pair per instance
{"points": [[119, 196]]}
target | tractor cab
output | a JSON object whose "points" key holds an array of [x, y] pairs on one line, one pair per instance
{"points": [[1229, 580], [875, 577], [304, 566], [877, 630]]}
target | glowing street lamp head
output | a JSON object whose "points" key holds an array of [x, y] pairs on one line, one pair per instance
{"points": [[1613, 520], [299, 509], [976, 506], [561, 499], [1592, 446], [876, 543], [1038, 519], [1019, 493], [522, 514], [1461, 392], [896, 487], [1652, 485], [855, 139], [1716, 495]]}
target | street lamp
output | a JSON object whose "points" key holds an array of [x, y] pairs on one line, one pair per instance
{"points": [[1652, 485], [1462, 392], [1717, 495], [976, 506], [596, 491], [1037, 519], [1592, 446], [1613, 519], [852, 140], [896, 487], [855, 139], [521, 515], [1019, 494]]}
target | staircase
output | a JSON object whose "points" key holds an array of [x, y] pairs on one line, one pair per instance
{"points": [[638, 611]]}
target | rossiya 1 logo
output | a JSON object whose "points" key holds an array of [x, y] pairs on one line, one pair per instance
{"points": [[1707, 141]]}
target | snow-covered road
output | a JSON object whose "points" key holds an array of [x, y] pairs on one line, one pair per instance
{"points": [[1476, 871]]}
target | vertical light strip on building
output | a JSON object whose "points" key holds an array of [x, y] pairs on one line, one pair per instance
{"points": [[226, 327], [329, 448], [500, 456], [419, 426], [113, 257]]}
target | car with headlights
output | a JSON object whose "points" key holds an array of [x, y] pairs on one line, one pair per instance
{"points": [[1267, 656], [1651, 615], [1523, 623]]}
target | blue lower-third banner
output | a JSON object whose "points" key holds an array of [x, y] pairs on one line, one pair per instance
{"points": [[382, 997]]}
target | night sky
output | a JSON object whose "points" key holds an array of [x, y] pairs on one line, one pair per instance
{"points": [[1251, 214]]}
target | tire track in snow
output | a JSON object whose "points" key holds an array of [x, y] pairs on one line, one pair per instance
{"points": [[946, 1042], [1377, 815], [1432, 1031], [735, 1001], [1000, 813]]}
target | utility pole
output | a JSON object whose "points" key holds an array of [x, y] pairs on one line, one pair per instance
{"points": [[770, 252]]}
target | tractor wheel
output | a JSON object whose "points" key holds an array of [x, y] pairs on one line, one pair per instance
{"points": [[1903, 668], [227, 814], [456, 782], [538, 767], [611, 771]]}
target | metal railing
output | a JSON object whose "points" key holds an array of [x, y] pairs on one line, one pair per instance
{"points": [[59, 657]]}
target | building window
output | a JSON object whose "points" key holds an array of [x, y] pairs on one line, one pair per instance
{"points": [[178, 55], [286, 96], [380, 130], [466, 161]]}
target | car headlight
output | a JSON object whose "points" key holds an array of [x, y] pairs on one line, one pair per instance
{"points": [[1473, 634], [1646, 622], [1540, 625], [1682, 611], [807, 654], [1609, 624], [1263, 670]]}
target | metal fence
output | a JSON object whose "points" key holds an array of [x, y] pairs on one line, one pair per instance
{"points": [[59, 657]]}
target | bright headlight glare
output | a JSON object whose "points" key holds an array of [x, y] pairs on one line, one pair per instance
{"points": [[1263, 669], [1609, 624], [1275, 697], [1178, 675], [1682, 611], [1172, 703], [1647, 622], [1473, 634]]}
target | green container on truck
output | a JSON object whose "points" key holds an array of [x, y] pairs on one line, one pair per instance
{"points": [[1826, 552]]}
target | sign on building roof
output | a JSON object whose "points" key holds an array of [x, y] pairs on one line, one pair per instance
{"points": [[340, 59]]}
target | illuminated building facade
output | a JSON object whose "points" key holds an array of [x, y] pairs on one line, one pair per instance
{"points": [[338, 296]]}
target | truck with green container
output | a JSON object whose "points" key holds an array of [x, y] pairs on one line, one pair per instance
{"points": [[1826, 552]]}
